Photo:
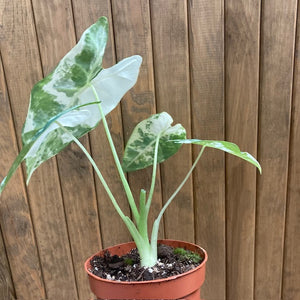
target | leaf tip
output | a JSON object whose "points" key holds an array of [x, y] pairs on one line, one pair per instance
{"points": [[103, 20], [3, 184], [135, 59], [28, 176], [259, 168]]}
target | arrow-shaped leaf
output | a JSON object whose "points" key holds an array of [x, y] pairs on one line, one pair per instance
{"points": [[224, 146], [139, 151], [66, 97]]}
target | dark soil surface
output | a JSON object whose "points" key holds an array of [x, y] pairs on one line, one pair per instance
{"points": [[127, 267]]}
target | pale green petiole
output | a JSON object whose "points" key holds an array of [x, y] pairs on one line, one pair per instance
{"points": [[158, 219], [153, 172], [142, 244], [142, 225], [145, 206], [117, 161], [99, 174]]}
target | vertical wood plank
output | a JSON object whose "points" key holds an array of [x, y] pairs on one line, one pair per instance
{"points": [[206, 42], [291, 264], [7, 290], [133, 36], [21, 61], [84, 13], [15, 219], [242, 82], [172, 84], [56, 36], [277, 53]]}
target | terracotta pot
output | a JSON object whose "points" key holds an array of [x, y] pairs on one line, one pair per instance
{"points": [[184, 286]]}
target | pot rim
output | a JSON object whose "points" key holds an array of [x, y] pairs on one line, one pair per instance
{"points": [[86, 264]]}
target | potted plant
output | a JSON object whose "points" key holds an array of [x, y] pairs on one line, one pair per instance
{"points": [[70, 102]]}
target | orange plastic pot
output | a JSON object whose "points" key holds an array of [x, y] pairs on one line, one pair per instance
{"points": [[184, 286]]}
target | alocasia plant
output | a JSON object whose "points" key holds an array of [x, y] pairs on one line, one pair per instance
{"points": [[74, 98]]}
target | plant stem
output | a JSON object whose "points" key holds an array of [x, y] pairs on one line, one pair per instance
{"points": [[143, 224], [142, 242], [117, 161], [158, 219], [153, 173], [99, 174], [145, 206]]}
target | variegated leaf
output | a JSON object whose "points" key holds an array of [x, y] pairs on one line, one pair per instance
{"points": [[139, 151], [65, 97], [224, 146]]}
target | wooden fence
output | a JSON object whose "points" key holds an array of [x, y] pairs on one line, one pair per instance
{"points": [[225, 70]]}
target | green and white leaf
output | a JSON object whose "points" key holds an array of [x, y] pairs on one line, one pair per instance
{"points": [[224, 146], [66, 97], [139, 151]]}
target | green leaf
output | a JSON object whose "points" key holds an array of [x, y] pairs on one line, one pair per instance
{"points": [[224, 146], [14, 166], [139, 151], [65, 96]]}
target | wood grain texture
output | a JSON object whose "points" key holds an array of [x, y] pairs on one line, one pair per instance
{"points": [[133, 36], [55, 30], [206, 44], [291, 263], [242, 83], [44, 192], [56, 36], [172, 84], [277, 54], [85, 12], [15, 218], [7, 290]]}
